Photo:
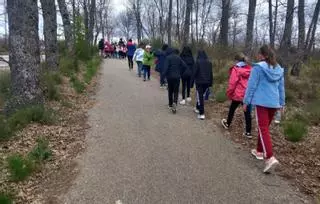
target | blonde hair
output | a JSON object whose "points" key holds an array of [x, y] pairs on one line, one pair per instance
{"points": [[240, 57]]}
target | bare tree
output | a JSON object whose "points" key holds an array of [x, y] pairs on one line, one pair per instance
{"points": [[287, 34], [66, 24], [92, 14], [250, 23], [24, 53], [301, 24], [271, 33], [50, 33], [169, 22], [224, 29], [312, 28], [186, 28], [125, 23], [178, 22]]}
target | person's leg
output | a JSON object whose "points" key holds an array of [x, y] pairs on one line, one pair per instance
{"points": [[129, 63], [247, 116], [184, 84], [170, 92], [233, 106], [139, 68], [263, 121], [176, 90], [188, 87], [200, 90], [144, 72], [149, 72]]}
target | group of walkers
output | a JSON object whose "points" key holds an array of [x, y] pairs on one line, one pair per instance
{"points": [[117, 50], [258, 86]]}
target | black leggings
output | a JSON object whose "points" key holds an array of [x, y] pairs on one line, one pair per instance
{"points": [[173, 90], [186, 85], [130, 62], [247, 115]]}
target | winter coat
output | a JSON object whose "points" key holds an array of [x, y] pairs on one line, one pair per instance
{"points": [[265, 86], [148, 59], [131, 49], [203, 70], [138, 55], [190, 63], [174, 66], [238, 81], [101, 45], [161, 57]]}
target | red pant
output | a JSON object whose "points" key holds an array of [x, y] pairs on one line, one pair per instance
{"points": [[264, 117]]}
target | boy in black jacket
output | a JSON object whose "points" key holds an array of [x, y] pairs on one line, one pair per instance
{"points": [[204, 78], [174, 67]]}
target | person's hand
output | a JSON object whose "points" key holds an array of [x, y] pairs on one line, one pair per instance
{"points": [[245, 107]]}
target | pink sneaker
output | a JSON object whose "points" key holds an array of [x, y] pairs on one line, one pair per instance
{"points": [[271, 164], [258, 155]]}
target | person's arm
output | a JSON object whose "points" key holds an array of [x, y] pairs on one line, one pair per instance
{"points": [[165, 67], [252, 85], [211, 74], [282, 92], [184, 67], [134, 55], [233, 80]]}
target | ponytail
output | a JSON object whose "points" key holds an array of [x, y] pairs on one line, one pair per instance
{"points": [[269, 55]]}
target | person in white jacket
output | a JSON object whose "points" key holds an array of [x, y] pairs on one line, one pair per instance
{"points": [[138, 58]]}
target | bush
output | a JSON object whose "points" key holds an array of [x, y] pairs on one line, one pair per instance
{"points": [[5, 198], [77, 84], [41, 151], [221, 96], [19, 167], [313, 112], [92, 68], [294, 130], [5, 131], [67, 66], [5, 84], [51, 82]]}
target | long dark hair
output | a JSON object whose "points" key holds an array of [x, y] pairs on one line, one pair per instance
{"points": [[202, 55], [186, 51], [268, 53]]}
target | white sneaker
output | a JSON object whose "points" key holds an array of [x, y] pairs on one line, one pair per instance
{"points": [[189, 99], [277, 121], [174, 108], [258, 155], [224, 124], [183, 102], [201, 117], [196, 110], [271, 164]]}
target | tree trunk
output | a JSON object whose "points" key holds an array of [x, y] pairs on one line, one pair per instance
{"points": [[66, 24], [301, 24], [312, 28], [178, 24], [186, 29], [275, 22], [92, 14], [50, 33], [271, 33], [287, 34], [139, 23], [169, 22], [86, 20], [24, 54], [197, 20], [224, 29], [5, 24], [250, 24]]}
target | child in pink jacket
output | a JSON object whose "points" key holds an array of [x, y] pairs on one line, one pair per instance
{"points": [[238, 81]]}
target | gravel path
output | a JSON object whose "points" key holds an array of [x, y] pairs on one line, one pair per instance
{"points": [[139, 153]]}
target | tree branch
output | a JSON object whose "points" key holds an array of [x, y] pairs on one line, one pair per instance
{"points": [[3, 60]]}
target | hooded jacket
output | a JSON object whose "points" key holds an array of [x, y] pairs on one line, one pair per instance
{"points": [[161, 57], [188, 59], [148, 59], [138, 55], [203, 69], [266, 86], [174, 66], [238, 81], [131, 49]]}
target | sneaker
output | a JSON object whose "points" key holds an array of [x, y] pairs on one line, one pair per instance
{"points": [[247, 135], [196, 110], [144, 80], [224, 124], [189, 99], [174, 108], [183, 102], [258, 155], [277, 121], [201, 117], [271, 164]]}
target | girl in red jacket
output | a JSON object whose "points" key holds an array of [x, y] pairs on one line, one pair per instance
{"points": [[238, 80]]}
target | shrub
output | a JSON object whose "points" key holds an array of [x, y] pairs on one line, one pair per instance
{"points": [[77, 84], [5, 84], [5, 198], [92, 68], [41, 151], [19, 167], [51, 82], [313, 112], [294, 130], [221, 96], [5, 131], [67, 66]]}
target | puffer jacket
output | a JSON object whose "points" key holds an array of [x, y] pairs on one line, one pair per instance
{"points": [[174, 66], [190, 63], [238, 81], [203, 70]]}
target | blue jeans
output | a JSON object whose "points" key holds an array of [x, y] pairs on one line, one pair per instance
{"points": [[139, 68], [146, 72]]}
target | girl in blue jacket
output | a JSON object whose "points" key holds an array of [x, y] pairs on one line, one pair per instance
{"points": [[265, 90]]}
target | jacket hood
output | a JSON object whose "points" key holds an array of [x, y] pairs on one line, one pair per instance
{"points": [[241, 64], [169, 51], [272, 73], [202, 55], [129, 43]]}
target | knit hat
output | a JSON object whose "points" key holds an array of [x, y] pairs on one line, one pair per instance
{"points": [[148, 47]]}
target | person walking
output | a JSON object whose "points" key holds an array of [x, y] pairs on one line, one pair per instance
{"points": [[203, 78], [101, 47], [186, 56], [265, 91], [138, 58], [174, 68], [148, 62], [131, 47], [238, 81], [161, 57]]}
